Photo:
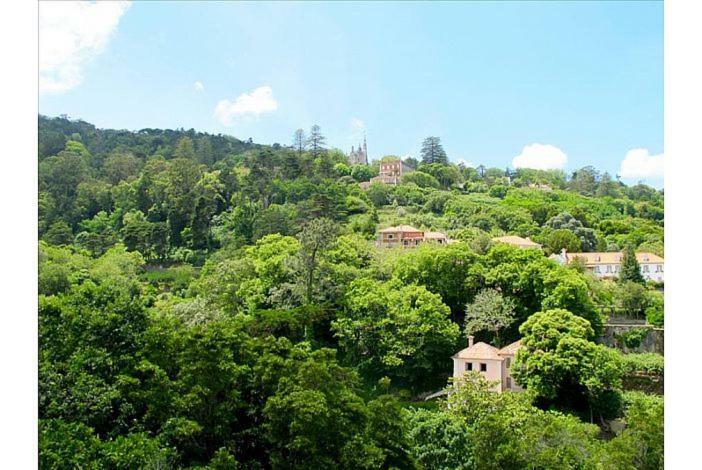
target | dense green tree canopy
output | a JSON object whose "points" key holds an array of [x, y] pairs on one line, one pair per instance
{"points": [[489, 311], [559, 363], [403, 332], [207, 302]]}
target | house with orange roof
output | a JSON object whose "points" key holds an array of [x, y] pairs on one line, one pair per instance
{"points": [[492, 363], [608, 264], [408, 236]]}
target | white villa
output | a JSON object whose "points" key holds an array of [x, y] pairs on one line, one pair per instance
{"points": [[608, 264], [492, 363]]}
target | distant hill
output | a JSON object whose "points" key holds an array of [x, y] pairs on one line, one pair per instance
{"points": [[54, 132]]}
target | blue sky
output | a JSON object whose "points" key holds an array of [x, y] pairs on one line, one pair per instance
{"points": [[583, 79]]}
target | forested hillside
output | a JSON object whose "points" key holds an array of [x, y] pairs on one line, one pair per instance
{"points": [[207, 302]]}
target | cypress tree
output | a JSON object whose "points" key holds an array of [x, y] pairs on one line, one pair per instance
{"points": [[631, 271]]}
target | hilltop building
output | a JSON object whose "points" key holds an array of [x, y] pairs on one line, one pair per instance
{"points": [[608, 264], [359, 156], [517, 241], [391, 171], [492, 363], [408, 236]]}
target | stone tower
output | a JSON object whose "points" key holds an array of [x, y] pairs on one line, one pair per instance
{"points": [[359, 156]]}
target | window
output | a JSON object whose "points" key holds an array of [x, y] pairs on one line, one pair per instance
{"points": [[597, 269], [616, 269], [469, 366], [509, 382], [659, 268], [390, 236], [483, 367], [609, 269], [508, 362], [645, 268]]}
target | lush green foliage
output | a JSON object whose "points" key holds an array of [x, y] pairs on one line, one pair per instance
{"points": [[560, 364], [507, 431], [647, 363], [403, 332], [631, 271], [489, 311], [212, 303]]}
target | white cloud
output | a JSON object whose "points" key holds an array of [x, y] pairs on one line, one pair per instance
{"points": [[70, 35], [259, 101], [540, 157], [358, 125], [638, 163], [358, 129], [198, 86]]}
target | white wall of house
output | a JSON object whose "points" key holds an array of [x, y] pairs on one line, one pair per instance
{"points": [[650, 271], [492, 373]]}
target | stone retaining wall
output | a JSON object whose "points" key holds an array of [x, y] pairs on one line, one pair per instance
{"points": [[652, 342]]}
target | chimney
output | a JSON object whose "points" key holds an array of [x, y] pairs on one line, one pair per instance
{"points": [[470, 340]]}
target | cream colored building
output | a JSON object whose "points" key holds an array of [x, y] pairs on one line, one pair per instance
{"points": [[608, 264], [493, 364], [517, 241]]}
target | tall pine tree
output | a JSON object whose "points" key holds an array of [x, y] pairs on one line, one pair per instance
{"points": [[316, 141], [433, 152], [299, 142]]}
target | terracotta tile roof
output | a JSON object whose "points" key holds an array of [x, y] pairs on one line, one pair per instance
{"points": [[479, 350], [511, 348], [400, 228], [515, 240], [612, 257]]}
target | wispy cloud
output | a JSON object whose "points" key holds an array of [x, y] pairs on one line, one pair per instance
{"points": [[466, 163], [358, 129], [540, 157], [639, 163], [198, 86], [357, 125], [71, 34], [253, 104]]}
